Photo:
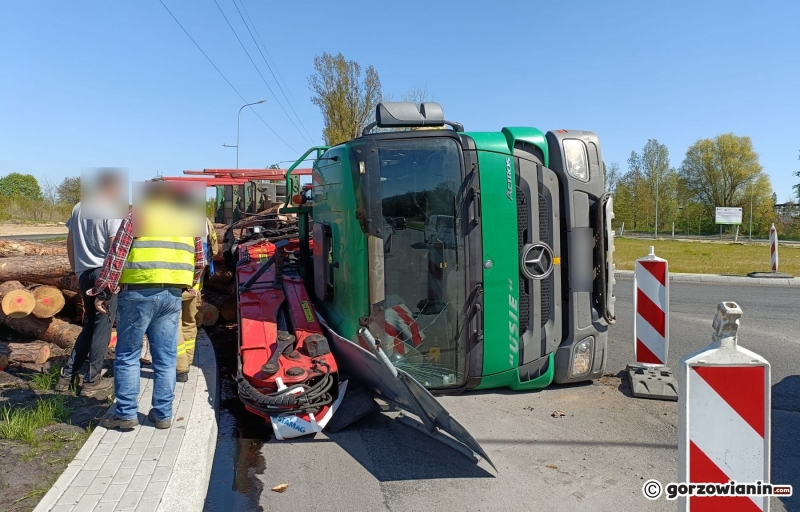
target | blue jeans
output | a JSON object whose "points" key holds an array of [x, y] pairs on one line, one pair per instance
{"points": [[157, 313]]}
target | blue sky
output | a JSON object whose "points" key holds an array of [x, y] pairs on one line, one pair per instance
{"points": [[91, 83]]}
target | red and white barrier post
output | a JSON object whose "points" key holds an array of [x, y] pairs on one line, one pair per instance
{"points": [[649, 375], [724, 419], [773, 249]]}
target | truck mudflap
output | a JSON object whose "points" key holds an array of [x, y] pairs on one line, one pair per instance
{"points": [[604, 259], [397, 387]]}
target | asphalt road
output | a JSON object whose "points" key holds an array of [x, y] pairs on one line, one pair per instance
{"points": [[594, 458]]}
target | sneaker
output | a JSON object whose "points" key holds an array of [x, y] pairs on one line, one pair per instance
{"points": [[114, 422], [162, 424], [182, 377], [97, 385], [63, 384]]}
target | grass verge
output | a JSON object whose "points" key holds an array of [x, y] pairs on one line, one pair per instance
{"points": [[33, 493], [707, 258], [21, 423], [47, 379]]}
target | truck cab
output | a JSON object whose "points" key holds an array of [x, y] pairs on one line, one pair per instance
{"points": [[503, 276]]}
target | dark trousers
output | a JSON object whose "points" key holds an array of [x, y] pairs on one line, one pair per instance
{"points": [[93, 340]]}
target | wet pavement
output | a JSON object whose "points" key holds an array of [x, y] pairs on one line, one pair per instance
{"points": [[238, 460]]}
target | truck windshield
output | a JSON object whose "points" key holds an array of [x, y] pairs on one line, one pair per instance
{"points": [[425, 278], [444, 222]]}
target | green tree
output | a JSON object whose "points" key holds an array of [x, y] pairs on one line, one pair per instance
{"points": [[69, 190], [20, 185], [612, 175], [717, 171], [725, 171], [649, 173], [346, 97]]}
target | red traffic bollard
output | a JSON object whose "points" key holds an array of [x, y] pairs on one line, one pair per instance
{"points": [[649, 376], [724, 418]]}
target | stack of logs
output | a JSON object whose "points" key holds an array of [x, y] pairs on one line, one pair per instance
{"points": [[38, 299]]}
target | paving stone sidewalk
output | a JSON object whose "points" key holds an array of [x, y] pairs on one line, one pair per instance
{"points": [[146, 469]]}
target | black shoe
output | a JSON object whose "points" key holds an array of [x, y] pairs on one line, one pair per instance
{"points": [[97, 385], [182, 376], [114, 422], [161, 424]]}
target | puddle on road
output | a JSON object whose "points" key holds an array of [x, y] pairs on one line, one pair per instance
{"points": [[234, 483]]}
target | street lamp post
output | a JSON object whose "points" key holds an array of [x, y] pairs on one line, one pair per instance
{"points": [[751, 213], [238, 128], [656, 228]]}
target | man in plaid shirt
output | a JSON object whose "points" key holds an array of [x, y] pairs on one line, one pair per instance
{"points": [[150, 274]]}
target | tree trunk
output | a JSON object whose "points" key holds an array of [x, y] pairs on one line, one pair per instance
{"points": [[228, 290], [222, 276], [73, 306], [49, 301], [37, 352], [12, 248], [225, 305], [34, 269], [62, 283], [52, 330], [17, 302]]}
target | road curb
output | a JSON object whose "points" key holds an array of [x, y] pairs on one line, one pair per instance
{"points": [[715, 278], [188, 485]]}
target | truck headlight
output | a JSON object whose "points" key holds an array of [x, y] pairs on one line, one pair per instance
{"points": [[582, 358], [575, 153]]}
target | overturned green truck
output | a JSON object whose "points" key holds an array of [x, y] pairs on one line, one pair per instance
{"points": [[478, 259]]}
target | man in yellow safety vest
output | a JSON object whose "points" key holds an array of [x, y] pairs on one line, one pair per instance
{"points": [[150, 273]]}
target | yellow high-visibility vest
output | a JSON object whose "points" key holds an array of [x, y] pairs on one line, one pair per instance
{"points": [[167, 260]]}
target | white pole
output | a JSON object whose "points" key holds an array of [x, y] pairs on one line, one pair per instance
{"points": [[673, 231], [751, 215], [656, 227]]}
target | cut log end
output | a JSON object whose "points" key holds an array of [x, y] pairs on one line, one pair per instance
{"points": [[49, 301], [18, 303], [209, 314], [228, 310]]}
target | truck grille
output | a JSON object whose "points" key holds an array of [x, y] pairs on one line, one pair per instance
{"points": [[544, 235], [544, 221], [522, 236]]}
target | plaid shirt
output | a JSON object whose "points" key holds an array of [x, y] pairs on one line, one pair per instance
{"points": [[118, 253]]}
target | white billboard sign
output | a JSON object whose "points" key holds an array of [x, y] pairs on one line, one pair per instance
{"points": [[729, 215]]}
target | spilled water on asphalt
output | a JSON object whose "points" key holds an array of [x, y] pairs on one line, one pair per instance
{"points": [[234, 483]]}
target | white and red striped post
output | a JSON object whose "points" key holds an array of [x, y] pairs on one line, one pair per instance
{"points": [[402, 327], [724, 417], [651, 304], [773, 248]]}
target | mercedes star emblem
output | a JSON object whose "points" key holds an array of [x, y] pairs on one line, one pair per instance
{"points": [[536, 261]]}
